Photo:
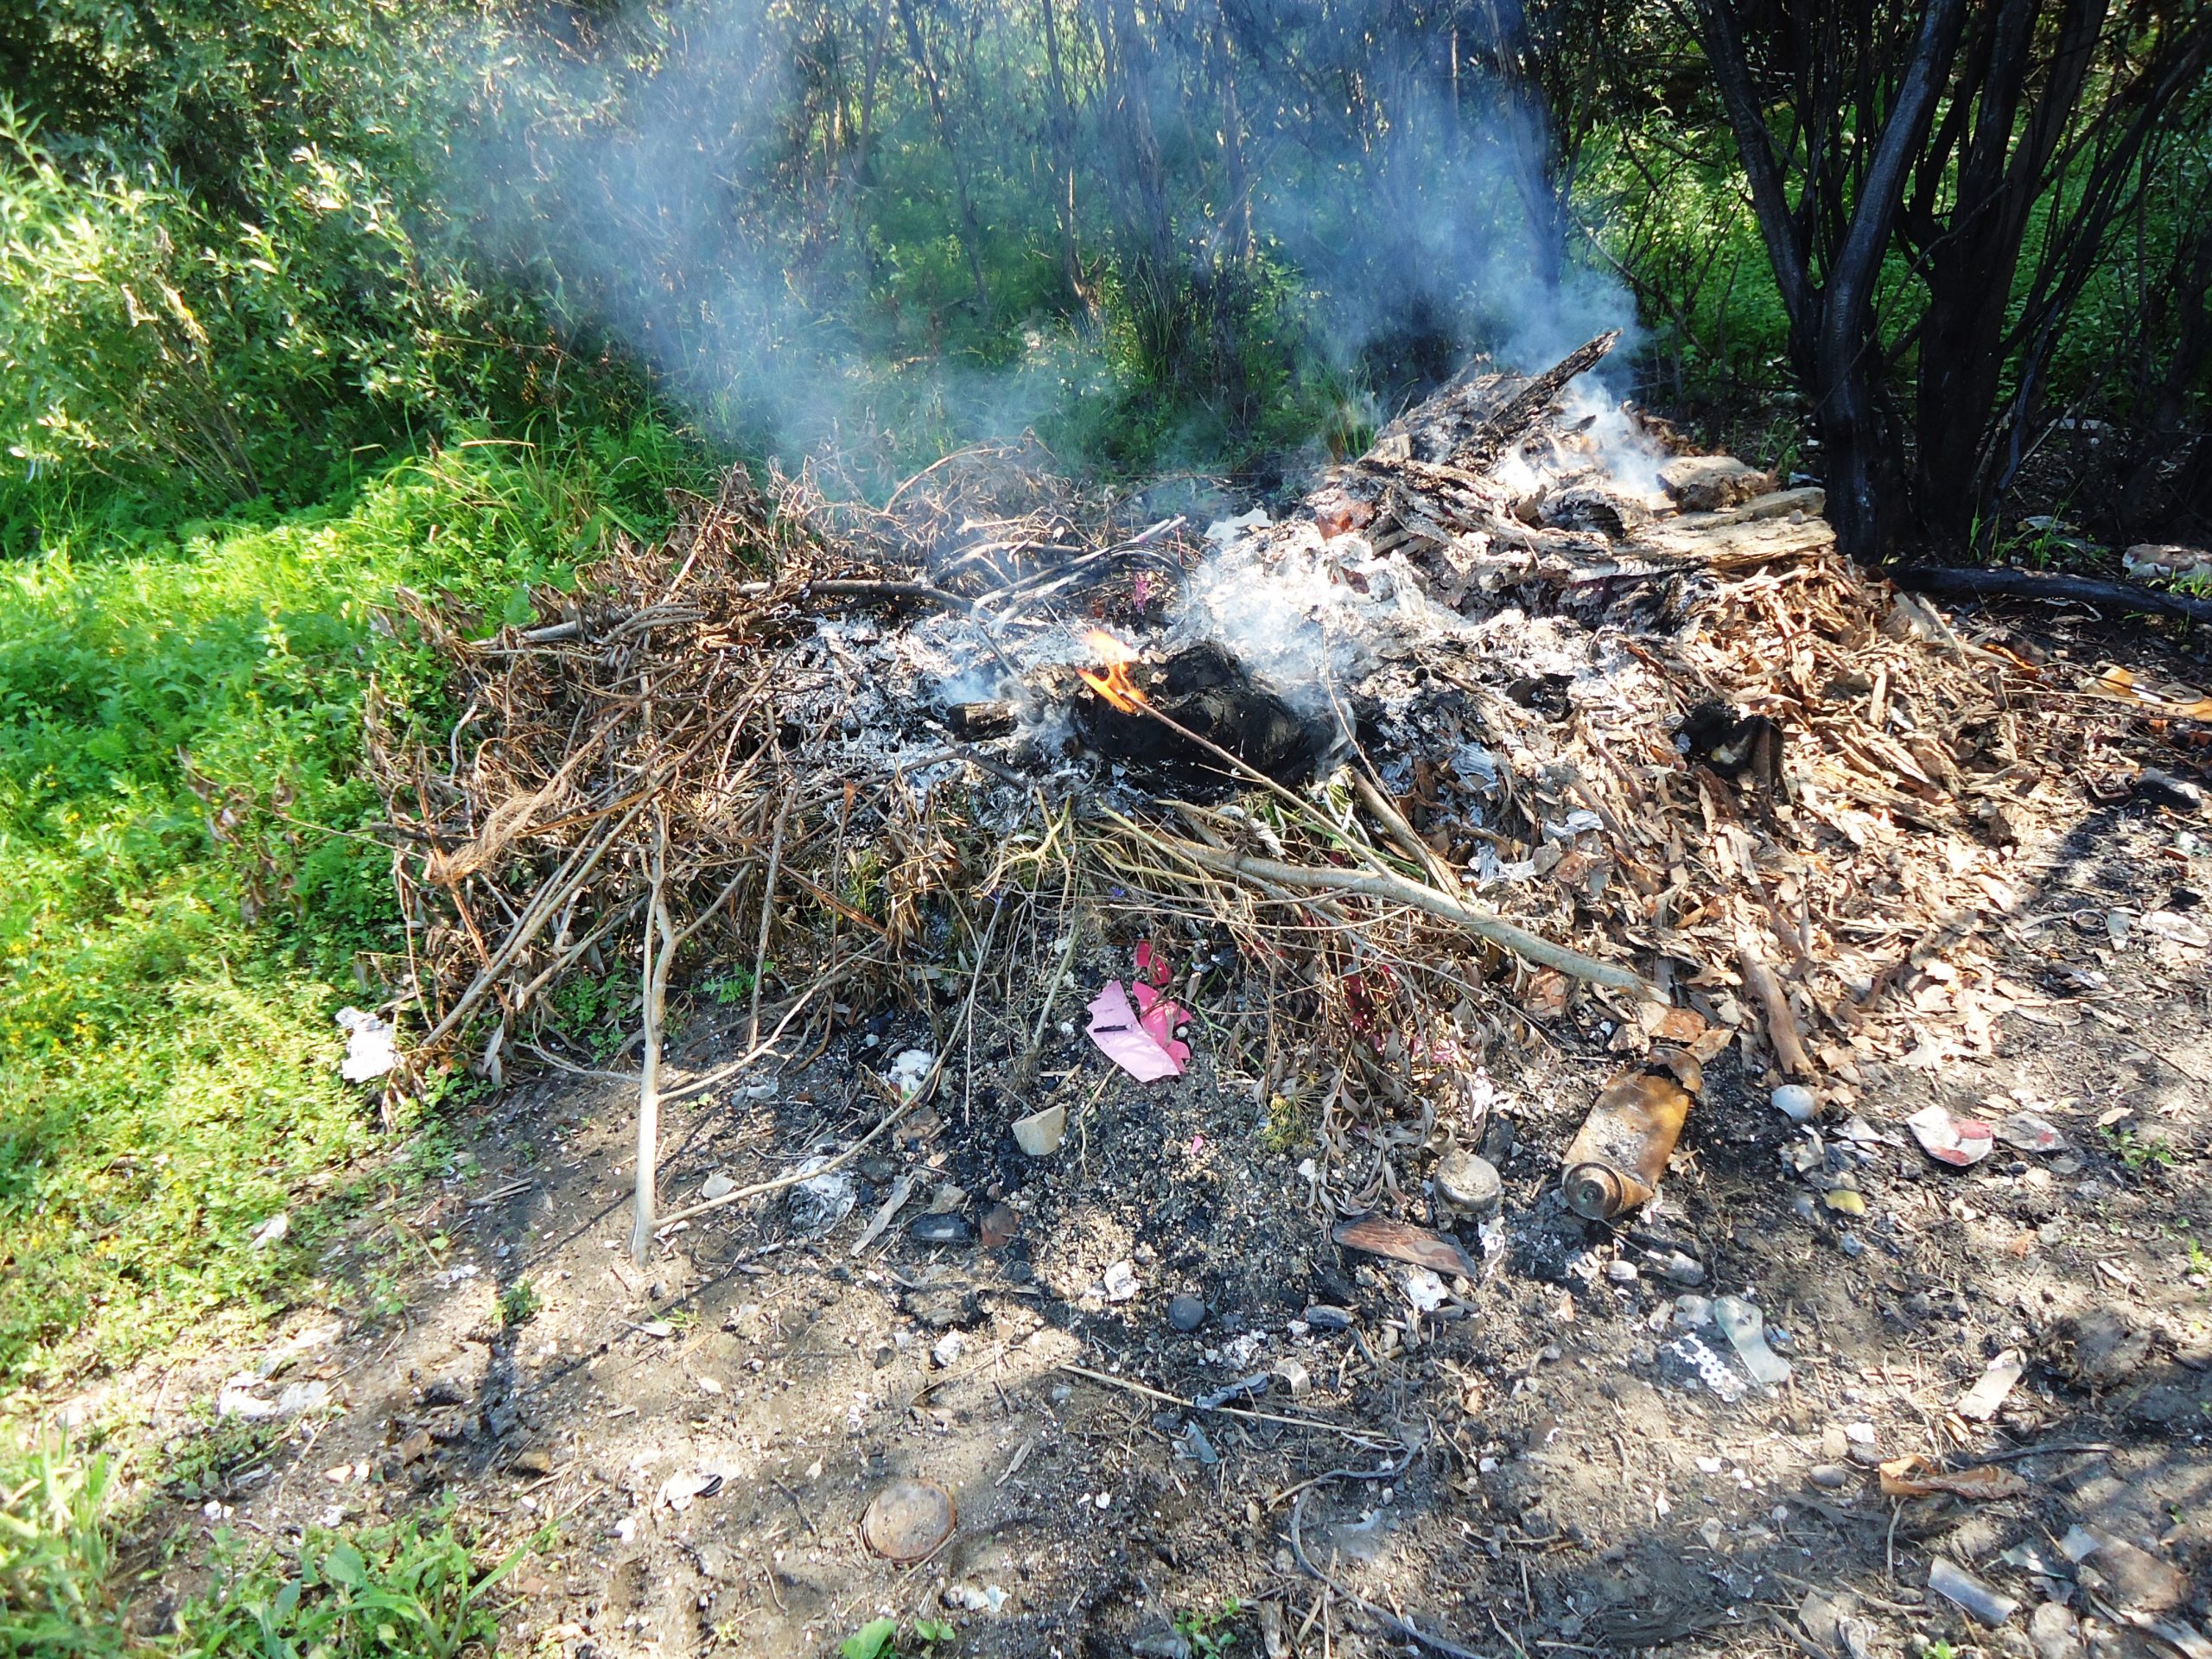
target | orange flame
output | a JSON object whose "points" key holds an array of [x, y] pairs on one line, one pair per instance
{"points": [[1114, 684]]}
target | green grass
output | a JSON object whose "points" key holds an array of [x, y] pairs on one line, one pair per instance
{"points": [[56, 1557], [189, 884], [1212, 1635], [408, 1589]]}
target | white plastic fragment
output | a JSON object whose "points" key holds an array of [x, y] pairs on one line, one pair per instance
{"points": [[1955, 1584], [1958, 1141], [1744, 1327], [909, 1070], [372, 1045], [1222, 531], [1424, 1289], [2031, 1132], [823, 1199], [678, 1490], [1979, 1404]]}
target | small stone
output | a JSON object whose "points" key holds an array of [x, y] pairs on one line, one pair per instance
{"points": [[532, 1460], [1186, 1314], [2055, 1633], [1796, 1102], [948, 1349], [939, 1307], [1836, 1445], [908, 1520], [1680, 1269], [947, 1228], [716, 1186], [1829, 1476], [2135, 1579], [1620, 1272], [1469, 1184], [1321, 1316], [1159, 1643]]}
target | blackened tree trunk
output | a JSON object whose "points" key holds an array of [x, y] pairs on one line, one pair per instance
{"points": [[1826, 253], [1938, 190]]}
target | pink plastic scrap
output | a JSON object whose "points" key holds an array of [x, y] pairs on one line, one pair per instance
{"points": [[1141, 1040], [1958, 1141]]}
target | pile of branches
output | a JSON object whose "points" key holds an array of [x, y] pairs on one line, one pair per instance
{"points": [[1779, 823], [630, 785]]}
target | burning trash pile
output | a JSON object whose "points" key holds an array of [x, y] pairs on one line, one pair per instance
{"points": [[1518, 730]]}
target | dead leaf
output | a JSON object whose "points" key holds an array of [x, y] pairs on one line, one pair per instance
{"points": [[1678, 1026], [1708, 1047], [1546, 997], [1915, 1476], [1400, 1242]]}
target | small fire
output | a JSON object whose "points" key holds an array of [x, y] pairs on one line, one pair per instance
{"points": [[1114, 684]]}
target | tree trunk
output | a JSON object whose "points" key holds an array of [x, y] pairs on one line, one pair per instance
{"points": [[1972, 264], [1833, 337], [971, 227], [1062, 125]]}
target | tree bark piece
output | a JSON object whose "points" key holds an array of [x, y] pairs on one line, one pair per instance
{"points": [[1499, 432], [1781, 1024]]}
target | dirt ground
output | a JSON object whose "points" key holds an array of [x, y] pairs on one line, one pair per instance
{"points": [[1537, 1465]]}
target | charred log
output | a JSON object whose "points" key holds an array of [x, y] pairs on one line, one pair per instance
{"points": [[1207, 691]]}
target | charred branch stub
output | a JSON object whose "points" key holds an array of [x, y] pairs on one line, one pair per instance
{"points": [[1205, 690], [1735, 744]]}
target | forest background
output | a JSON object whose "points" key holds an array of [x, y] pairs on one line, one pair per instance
{"points": [[301, 304]]}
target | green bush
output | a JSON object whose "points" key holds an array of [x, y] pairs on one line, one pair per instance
{"points": [[154, 348]]}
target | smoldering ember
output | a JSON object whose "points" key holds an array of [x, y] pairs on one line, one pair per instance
{"points": [[1464, 1067]]}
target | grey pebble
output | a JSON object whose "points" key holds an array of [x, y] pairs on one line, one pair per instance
{"points": [[945, 1228], [1186, 1314]]}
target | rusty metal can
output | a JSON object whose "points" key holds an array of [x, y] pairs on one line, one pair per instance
{"points": [[1615, 1162]]}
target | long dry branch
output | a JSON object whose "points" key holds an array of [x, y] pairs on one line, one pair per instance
{"points": [[1397, 889]]}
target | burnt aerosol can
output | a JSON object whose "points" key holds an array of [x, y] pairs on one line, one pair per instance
{"points": [[1616, 1161]]}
